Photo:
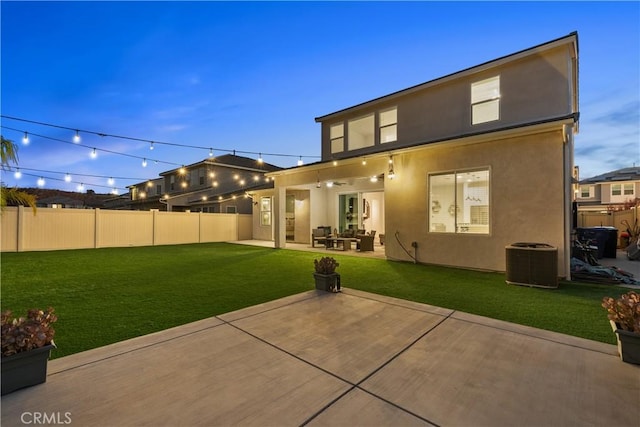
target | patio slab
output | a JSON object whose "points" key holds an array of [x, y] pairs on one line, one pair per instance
{"points": [[351, 358]]}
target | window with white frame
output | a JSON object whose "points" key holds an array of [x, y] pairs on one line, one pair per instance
{"points": [[336, 135], [360, 132], [459, 202], [265, 211], [388, 125], [622, 189], [586, 191], [485, 100]]}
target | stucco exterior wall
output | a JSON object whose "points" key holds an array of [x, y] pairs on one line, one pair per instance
{"points": [[533, 88], [526, 193]]}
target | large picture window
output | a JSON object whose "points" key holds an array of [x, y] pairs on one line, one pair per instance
{"points": [[361, 132], [485, 100], [459, 202]]}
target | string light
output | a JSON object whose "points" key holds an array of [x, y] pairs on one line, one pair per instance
{"points": [[151, 146], [25, 138], [67, 178], [18, 174], [94, 154], [260, 161], [104, 134], [110, 181], [144, 163], [364, 161], [76, 138], [81, 187], [41, 182]]}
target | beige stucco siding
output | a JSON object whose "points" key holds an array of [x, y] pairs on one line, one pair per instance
{"points": [[526, 194], [533, 88]]}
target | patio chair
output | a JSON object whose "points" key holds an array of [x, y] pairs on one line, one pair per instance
{"points": [[318, 235], [365, 243]]}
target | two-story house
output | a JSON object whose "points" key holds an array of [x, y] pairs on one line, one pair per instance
{"points": [[451, 170], [217, 185], [608, 190]]}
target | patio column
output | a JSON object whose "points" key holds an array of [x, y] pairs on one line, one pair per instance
{"points": [[279, 216]]}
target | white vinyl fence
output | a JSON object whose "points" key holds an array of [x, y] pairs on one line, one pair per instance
{"points": [[54, 229]]}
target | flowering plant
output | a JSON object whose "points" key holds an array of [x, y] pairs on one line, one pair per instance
{"points": [[625, 311], [23, 334], [326, 265]]}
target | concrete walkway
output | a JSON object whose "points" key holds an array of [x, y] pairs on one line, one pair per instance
{"points": [[345, 359]]}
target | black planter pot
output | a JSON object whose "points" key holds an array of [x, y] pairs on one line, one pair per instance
{"points": [[327, 282], [628, 344], [25, 369]]}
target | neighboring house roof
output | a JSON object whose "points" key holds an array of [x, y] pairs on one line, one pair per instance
{"points": [[624, 174], [231, 160]]}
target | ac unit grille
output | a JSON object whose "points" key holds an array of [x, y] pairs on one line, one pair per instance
{"points": [[532, 264]]}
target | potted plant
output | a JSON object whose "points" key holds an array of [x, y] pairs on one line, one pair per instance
{"points": [[26, 346], [624, 315], [326, 277]]}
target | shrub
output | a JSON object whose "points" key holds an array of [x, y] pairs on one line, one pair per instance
{"points": [[625, 311], [24, 334], [326, 265]]}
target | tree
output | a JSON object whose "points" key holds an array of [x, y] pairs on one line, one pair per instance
{"points": [[12, 196]]}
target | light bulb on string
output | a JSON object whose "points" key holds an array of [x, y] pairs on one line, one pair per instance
{"points": [[25, 138], [210, 152], [18, 174], [300, 162], [41, 182], [81, 187], [144, 163], [260, 161], [151, 147], [67, 178], [94, 153], [76, 138], [115, 192], [110, 181]]}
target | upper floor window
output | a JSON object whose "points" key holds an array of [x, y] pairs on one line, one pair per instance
{"points": [[361, 132], [485, 100], [622, 189], [336, 135], [586, 191], [389, 125]]}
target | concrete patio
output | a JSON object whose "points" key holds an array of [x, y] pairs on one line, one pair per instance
{"points": [[351, 358]]}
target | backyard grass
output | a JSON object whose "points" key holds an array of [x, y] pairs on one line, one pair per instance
{"points": [[102, 296]]}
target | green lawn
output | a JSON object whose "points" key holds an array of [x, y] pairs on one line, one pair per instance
{"points": [[103, 296]]}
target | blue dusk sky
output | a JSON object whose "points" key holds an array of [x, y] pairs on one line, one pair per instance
{"points": [[252, 76]]}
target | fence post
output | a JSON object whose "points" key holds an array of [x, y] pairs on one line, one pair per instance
{"points": [[154, 229], [96, 228], [20, 231]]}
